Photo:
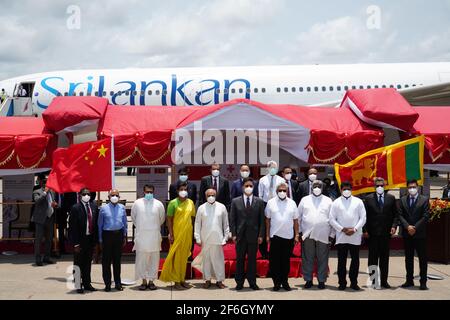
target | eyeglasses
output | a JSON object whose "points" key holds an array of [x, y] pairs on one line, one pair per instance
{"points": [[85, 194]]}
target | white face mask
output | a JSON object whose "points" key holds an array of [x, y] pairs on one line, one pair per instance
{"points": [[413, 191], [183, 194], [347, 193], [312, 177], [317, 191], [114, 199], [248, 191], [282, 195], [215, 173], [211, 199], [288, 176], [245, 174], [86, 198], [380, 190]]}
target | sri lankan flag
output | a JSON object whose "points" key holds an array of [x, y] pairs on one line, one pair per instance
{"points": [[396, 164]]}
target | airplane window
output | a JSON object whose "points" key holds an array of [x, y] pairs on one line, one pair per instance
{"points": [[324, 88], [81, 93], [361, 87], [103, 93], [316, 89], [308, 89], [142, 93], [149, 92], [331, 88], [383, 86], [256, 90], [249, 90], [300, 89], [164, 92], [353, 87], [413, 85], [263, 90], [294, 89], [369, 87], [286, 89], [217, 91], [391, 86], [406, 85], [241, 90], [233, 90], [111, 93], [96, 93], [345, 88], [338, 88], [157, 92], [399, 86], [66, 94], [225, 90], [376, 86], [278, 89]]}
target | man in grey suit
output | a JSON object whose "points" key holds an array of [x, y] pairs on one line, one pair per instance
{"points": [[247, 227], [44, 218]]}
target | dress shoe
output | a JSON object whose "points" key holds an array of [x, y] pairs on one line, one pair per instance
{"points": [[48, 261], [355, 287], [276, 287], [386, 285], [220, 285], [342, 287], [90, 288], [321, 285], [286, 286], [207, 285], [423, 286], [119, 288], [408, 284], [152, 286], [254, 287], [107, 288], [143, 287], [239, 287], [39, 263], [80, 291], [308, 284]]}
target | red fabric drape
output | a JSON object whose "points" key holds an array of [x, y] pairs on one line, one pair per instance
{"points": [[6, 149], [31, 150]]}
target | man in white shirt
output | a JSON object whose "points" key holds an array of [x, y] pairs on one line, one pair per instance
{"points": [[267, 189], [22, 92], [211, 232], [347, 217], [314, 216], [281, 224], [148, 215]]}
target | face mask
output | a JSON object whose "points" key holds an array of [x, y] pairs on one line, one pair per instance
{"points": [[211, 199], [148, 196], [248, 191], [245, 174], [215, 173], [114, 199], [312, 177], [183, 178], [273, 171], [380, 190], [282, 195], [288, 176], [317, 191], [412, 191], [347, 193], [86, 198], [183, 194]]}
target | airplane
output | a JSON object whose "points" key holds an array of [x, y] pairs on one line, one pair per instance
{"points": [[309, 85]]}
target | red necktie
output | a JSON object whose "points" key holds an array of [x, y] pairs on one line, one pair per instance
{"points": [[89, 213]]}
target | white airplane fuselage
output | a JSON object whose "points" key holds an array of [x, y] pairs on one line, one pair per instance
{"points": [[302, 85]]}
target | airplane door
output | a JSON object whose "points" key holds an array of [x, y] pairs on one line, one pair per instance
{"points": [[22, 94]]}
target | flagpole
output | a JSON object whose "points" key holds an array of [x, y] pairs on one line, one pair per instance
{"points": [[113, 176]]}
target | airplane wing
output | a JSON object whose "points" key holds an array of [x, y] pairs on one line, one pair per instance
{"points": [[434, 95]]}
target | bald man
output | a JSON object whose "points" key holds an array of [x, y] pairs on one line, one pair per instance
{"points": [[112, 233]]}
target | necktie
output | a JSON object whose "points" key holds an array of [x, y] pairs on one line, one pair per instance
{"points": [[89, 214], [289, 190], [247, 206], [50, 208], [271, 188], [411, 202], [215, 184], [380, 201]]}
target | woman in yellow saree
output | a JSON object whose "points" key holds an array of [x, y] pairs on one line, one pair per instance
{"points": [[180, 217]]}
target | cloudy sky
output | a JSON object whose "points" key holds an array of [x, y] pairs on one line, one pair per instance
{"points": [[53, 35]]}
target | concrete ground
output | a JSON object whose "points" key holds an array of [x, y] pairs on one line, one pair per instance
{"points": [[19, 279]]}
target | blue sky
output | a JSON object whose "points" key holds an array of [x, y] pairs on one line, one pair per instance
{"points": [[118, 34]]}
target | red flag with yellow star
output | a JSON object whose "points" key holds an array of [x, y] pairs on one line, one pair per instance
{"points": [[88, 164]]}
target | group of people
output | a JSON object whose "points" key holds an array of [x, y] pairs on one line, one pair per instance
{"points": [[276, 210]]}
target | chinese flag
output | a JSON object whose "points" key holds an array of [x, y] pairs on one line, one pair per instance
{"points": [[88, 164]]}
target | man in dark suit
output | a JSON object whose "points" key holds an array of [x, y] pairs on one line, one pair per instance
{"points": [[293, 185], [414, 215], [84, 236], [381, 224], [236, 187], [305, 188], [247, 228], [446, 192], [44, 219], [217, 182], [183, 176]]}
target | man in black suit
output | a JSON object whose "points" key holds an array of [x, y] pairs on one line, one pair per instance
{"points": [[305, 188], [247, 229], [84, 236], [446, 192], [293, 185], [236, 187], [414, 214], [381, 224], [183, 176], [217, 182]]}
